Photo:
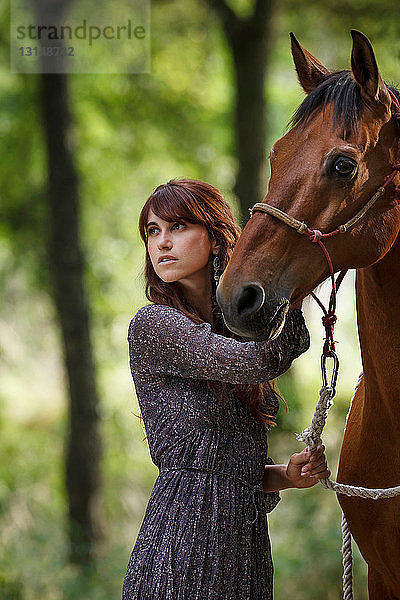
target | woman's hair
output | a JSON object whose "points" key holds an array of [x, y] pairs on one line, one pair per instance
{"points": [[199, 202]]}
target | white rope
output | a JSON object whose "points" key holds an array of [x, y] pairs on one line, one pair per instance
{"points": [[311, 436], [352, 398], [347, 560], [347, 551]]}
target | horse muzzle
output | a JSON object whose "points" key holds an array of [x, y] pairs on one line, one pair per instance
{"points": [[253, 313]]}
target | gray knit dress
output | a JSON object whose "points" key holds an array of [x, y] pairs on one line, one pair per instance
{"points": [[204, 535]]}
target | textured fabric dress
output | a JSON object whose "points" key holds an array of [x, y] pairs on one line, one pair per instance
{"points": [[204, 535]]}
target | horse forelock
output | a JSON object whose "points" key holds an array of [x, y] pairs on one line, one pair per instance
{"points": [[341, 94]]}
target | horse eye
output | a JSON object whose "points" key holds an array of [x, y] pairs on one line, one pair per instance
{"points": [[343, 166]]}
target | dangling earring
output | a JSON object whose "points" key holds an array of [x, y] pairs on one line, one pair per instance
{"points": [[216, 268]]}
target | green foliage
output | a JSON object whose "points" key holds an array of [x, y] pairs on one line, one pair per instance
{"points": [[10, 589], [132, 132]]}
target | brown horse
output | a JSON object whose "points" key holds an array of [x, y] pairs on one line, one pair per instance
{"points": [[341, 147]]}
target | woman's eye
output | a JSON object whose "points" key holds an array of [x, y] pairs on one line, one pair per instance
{"points": [[343, 166], [177, 225], [152, 230]]}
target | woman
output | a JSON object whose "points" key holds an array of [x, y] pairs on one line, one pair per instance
{"points": [[206, 405]]}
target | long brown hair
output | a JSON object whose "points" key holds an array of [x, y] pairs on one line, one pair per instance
{"points": [[199, 202]]}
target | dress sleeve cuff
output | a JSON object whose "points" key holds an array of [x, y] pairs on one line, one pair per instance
{"points": [[271, 498]]}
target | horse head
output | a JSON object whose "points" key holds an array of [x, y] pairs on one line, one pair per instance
{"points": [[340, 148]]}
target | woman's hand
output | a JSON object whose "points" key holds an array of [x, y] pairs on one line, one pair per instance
{"points": [[306, 468], [294, 335]]}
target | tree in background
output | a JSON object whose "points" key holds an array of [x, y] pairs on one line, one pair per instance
{"points": [[249, 41], [66, 265]]}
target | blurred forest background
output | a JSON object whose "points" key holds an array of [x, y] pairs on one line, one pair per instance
{"points": [[127, 134]]}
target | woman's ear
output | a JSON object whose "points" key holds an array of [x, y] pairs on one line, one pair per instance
{"points": [[214, 247]]}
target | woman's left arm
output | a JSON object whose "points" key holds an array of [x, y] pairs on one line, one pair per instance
{"points": [[304, 470]]}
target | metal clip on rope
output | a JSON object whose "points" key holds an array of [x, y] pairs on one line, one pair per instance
{"points": [[335, 370]]}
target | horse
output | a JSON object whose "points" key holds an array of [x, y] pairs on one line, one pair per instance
{"points": [[339, 158]]}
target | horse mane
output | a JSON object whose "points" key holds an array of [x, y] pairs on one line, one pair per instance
{"points": [[340, 92]]}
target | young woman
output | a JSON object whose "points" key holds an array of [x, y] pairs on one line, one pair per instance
{"points": [[206, 404]]}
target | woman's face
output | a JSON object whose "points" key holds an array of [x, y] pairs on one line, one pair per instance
{"points": [[180, 250]]}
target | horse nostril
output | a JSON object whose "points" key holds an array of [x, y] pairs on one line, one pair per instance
{"points": [[250, 300]]}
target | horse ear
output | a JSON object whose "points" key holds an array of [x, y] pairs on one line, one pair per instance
{"points": [[309, 70], [365, 70]]}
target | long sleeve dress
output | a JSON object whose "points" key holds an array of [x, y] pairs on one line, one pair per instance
{"points": [[204, 535]]}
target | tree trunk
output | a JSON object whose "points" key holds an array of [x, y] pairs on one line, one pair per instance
{"points": [[250, 63], [248, 39], [66, 264]]}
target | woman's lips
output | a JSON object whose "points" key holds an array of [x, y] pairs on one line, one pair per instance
{"points": [[166, 260]]}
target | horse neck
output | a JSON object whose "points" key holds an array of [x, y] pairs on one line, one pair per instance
{"points": [[378, 317]]}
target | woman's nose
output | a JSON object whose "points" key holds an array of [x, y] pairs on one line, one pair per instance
{"points": [[164, 241]]}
